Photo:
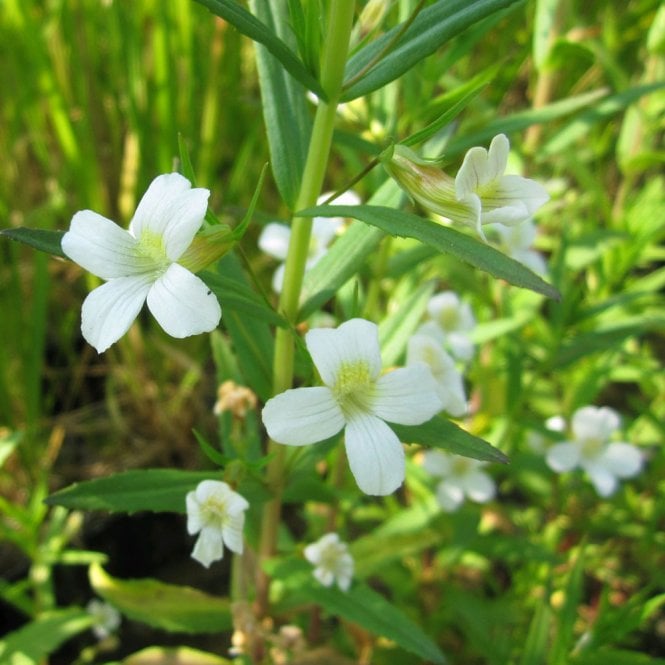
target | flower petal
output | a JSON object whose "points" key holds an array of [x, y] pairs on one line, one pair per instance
{"points": [[623, 460], [449, 495], [302, 415], [407, 396], [208, 547], [472, 174], [356, 340], [375, 454], [110, 310], [437, 462], [563, 456], [591, 422], [274, 240], [513, 188], [497, 157], [478, 486], [171, 209], [232, 532], [102, 247], [604, 481], [194, 516], [182, 304]]}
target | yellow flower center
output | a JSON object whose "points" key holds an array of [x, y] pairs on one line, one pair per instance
{"points": [[487, 189], [353, 385], [151, 245], [449, 319], [214, 511], [461, 466], [592, 447]]}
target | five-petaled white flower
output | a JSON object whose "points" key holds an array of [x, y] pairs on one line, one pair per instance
{"points": [[357, 399], [454, 321], [428, 348], [516, 242], [332, 561], [141, 264], [275, 237], [107, 618], [492, 196], [460, 477], [591, 449], [218, 512]]}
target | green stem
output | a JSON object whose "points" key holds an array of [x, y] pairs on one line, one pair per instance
{"points": [[340, 22]]}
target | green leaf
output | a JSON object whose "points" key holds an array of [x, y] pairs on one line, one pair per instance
{"points": [[519, 121], [34, 642], [373, 612], [442, 433], [173, 656], [606, 656], [285, 112], [255, 29], [158, 490], [432, 28], [346, 257], [237, 296], [454, 102], [396, 328], [166, 606], [44, 241], [251, 338], [444, 239]]}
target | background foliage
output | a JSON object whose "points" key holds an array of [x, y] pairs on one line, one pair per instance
{"points": [[96, 95]]}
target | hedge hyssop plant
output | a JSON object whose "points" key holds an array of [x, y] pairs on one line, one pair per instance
{"points": [[336, 386]]}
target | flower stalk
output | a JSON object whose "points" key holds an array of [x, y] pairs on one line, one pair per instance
{"points": [[340, 22]]}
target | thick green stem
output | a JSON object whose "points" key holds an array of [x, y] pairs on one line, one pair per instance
{"points": [[340, 21]]}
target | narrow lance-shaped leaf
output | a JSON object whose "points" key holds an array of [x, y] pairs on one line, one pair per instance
{"points": [[373, 612], [440, 432], [44, 241], [252, 27], [166, 606], [432, 28], [442, 238], [159, 490], [285, 111]]}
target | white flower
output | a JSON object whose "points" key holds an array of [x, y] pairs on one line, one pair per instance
{"points": [[426, 348], [516, 242], [460, 477], [479, 194], [455, 321], [107, 618], [274, 239], [591, 449], [357, 399], [141, 264], [218, 512], [493, 196], [332, 561]]}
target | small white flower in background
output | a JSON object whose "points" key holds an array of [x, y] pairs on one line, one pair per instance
{"points": [[332, 561], [141, 264], [479, 194], [359, 400], [274, 239], [516, 242], [455, 321], [591, 449], [426, 348], [461, 478], [107, 618], [218, 513]]}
